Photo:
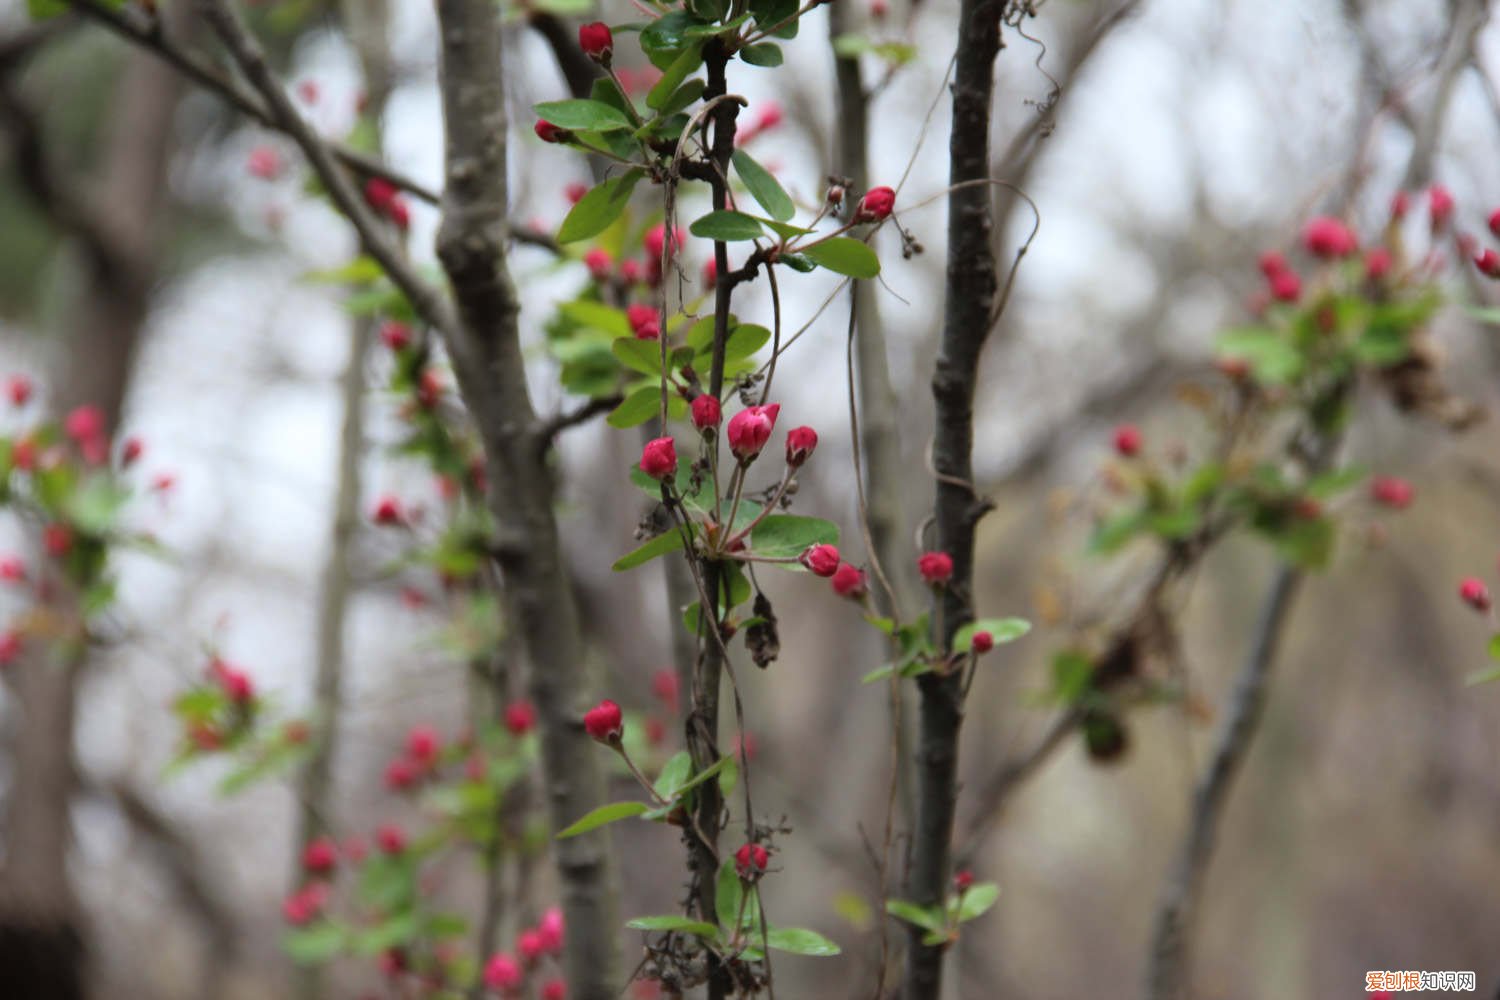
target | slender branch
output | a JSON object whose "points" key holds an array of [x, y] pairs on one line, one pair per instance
{"points": [[487, 357], [970, 292], [1468, 20], [147, 32], [581, 414], [374, 235]]}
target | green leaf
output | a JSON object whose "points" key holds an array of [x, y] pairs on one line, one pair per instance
{"points": [[1495, 647], [1271, 357], [597, 316], [764, 187], [663, 39], [927, 919], [976, 900], [765, 54], [787, 231], [95, 505], [781, 535], [844, 256], [1114, 532], [672, 922], [674, 774], [597, 209], [583, 115], [362, 270], [849, 46], [728, 227], [315, 944], [595, 818], [728, 893], [1072, 673], [1002, 630], [682, 67], [1331, 484], [683, 97], [40, 10], [667, 541], [771, 13], [708, 772], [800, 941], [1484, 314], [642, 356], [797, 262], [635, 409], [878, 674], [386, 934]]}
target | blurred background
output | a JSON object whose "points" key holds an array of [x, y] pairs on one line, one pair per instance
{"points": [[1164, 144]]}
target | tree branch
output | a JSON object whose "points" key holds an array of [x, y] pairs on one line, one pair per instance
{"points": [[486, 350], [970, 291], [147, 32]]}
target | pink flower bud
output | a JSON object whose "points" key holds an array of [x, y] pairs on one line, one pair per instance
{"points": [[1473, 592], [390, 838], [132, 451], [599, 263], [643, 318], [630, 272], [936, 568], [236, 684], [548, 132], [1286, 286], [57, 539], [750, 429], [320, 856], [1400, 205], [1377, 263], [963, 879], [574, 192], [84, 423], [12, 570], [401, 774], [1271, 264], [520, 717], [982, 642], [423, 745], [875, 205], [399, 213], [1439, 206], [531, 945], [388, 511], [1392, 491], [706, 412], [18, 388], [597, 42], [395, 335], [303, 906], [664, 685], [1495, 222], [1128, 440], [659, 458], [849, 581], [821, 560], [655, 241], [1488, 262], [379, 193], [1328, 237], [551, 928], [604, 722], [502, 973], [10, 647], [710, 273], [555, 989], [750, 861], [264, 163], [800, 442]]}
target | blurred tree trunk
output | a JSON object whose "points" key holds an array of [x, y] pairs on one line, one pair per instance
{"points": [[112, 225]]}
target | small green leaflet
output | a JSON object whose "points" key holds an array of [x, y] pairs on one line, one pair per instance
{"points": [[611, 813], [583, 115], [845, 256], [671, 922], [764, 187], [597, 209], [727, 227]]}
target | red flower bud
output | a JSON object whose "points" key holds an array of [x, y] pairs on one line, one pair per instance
{"points": [[604, 722], [304, 905], [10, 647], [664, 686], [750, 429], [597, 42], [1495, 222], [706, 412], [1439, 206], [981, 643], [849, 581], [401, 774], [551, 928], [531, 946], [391, 838], [520, 717], [963, 879], [320, 856], [399, 213], [630, 272], [236, 684], [503, 973], [388, 511], [395, 335], [1128, 440], [655, 241], [555, 989], [936, 568], [1473, 592], [1286, 286], [659, 458], [379, 193], [822, 560], [57, 539], [644, 321], [800, 442], [1400, 205], [131, 452], [750, 861], [548, 132], [875, 205], [1328, 237], [1271, 264], [84, 423], [574, 192], [1377, 263], [1392, 491], [12, 569], [1488, 262], [599, 263], [423, 745], [18, 388], [710, 273]]}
